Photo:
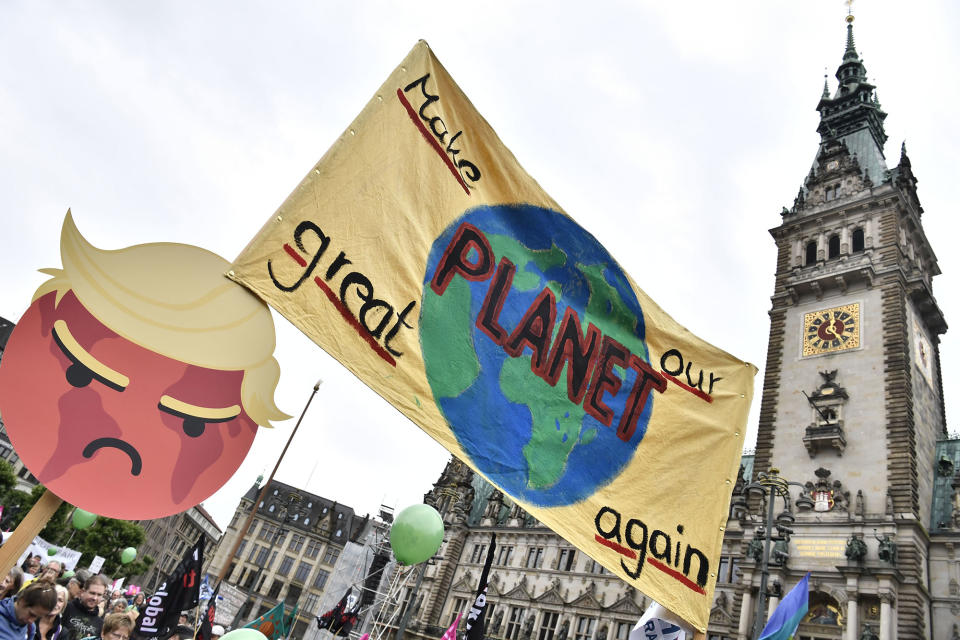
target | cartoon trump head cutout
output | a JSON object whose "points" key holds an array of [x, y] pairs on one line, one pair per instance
{"points": [[133, 385]]}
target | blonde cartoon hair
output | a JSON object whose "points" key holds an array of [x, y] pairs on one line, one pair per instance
{"points": [[173, 299]]}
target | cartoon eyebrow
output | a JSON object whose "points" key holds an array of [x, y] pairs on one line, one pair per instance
{"points": [[72, 349], [207, 414]]}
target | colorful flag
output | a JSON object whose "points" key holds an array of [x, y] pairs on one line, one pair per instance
{"points": [[205, 590], [270, 624], [788, 614], [421, 255], [332, 619], [208, 615], [179, 592], [451, 633], [479, 609], [657, 623], [293, 619]]}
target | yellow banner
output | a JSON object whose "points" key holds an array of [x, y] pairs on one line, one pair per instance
{"points": [[423, 257]]}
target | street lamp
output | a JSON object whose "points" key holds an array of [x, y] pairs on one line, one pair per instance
{"points": [[770, 485]]}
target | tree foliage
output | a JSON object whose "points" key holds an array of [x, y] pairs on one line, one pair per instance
{"points": [[107, 538]]}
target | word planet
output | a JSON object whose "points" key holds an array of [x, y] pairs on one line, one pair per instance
{"points": [[533, 342]]}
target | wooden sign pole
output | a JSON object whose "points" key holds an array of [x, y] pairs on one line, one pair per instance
{"points": [[29, 529]]}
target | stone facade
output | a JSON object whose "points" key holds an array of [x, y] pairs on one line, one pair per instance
{"points": [[852, 412], [852, 407], [290, 551], [167, 540], [540, 588]]}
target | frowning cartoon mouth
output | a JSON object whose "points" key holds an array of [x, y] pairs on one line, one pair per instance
{"points": [[135, 463]]}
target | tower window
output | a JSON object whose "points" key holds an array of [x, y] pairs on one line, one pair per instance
{"points": [[811, 256], [834, 246], [857, 240]]}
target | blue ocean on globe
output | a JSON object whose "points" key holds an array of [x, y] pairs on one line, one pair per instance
{"points": [[521, 432]]}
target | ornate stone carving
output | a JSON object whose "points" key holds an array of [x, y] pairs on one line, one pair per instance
{"points": [[827, 495], [888, 548], [856, 548]]}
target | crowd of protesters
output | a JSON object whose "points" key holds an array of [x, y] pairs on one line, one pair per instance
{"points": [[38, 603]]}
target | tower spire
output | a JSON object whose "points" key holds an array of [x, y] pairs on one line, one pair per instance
{"points": [[850, 53], [853, 115]]}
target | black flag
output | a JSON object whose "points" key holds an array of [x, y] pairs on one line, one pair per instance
{"points": [[331, 619], [477, 612], [180, 591], [206, 617]]}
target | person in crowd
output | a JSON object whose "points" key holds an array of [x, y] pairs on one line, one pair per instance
{"points": [[116, 626], [11, 583], [50, 626], [51, 573], [139, 602], [31, 566], [74, 587], [48, 573], [216, 631], [19, 615], [81, 616], [118, 606]]}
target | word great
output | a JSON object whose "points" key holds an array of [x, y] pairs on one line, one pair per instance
{"points": [[370, 316], [589, 357]]}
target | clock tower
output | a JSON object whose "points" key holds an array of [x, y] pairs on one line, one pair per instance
{"points": [[852, 403]]}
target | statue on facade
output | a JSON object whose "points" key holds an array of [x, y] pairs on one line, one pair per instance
{"points": [[755, 550], [956, 632], [888, 548], [955, 512], [780, 553], [860, 506], [889, 503], [721, 601], [527, 630], [497, 621], [564, 631], [867, 633], [602, 633], [494, 504], [856, 548]]}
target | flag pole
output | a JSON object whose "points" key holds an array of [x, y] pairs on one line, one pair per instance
{"points": [[263, 492]]}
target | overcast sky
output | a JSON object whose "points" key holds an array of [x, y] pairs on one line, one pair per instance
{"points": [[674, 132]]}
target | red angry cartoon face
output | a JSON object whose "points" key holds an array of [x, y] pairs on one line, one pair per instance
{"points": [[113, 427]]}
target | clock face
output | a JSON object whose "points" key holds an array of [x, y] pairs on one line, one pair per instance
{"points": [[830, 330]]}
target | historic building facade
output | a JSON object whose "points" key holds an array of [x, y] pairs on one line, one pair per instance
{"points": [[290, 551], [540, 586], [852, 406], [852, 411], [167, 539]]}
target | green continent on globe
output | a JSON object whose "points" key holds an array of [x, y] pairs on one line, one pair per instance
{"points": [[556, 422], [556, 425], [454, 361]]}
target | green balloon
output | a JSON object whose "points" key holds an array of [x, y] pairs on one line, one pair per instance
{"points": [[83, 519], [68, 574], [52, 551], [416, 534], [128, 555], [243, 634]]}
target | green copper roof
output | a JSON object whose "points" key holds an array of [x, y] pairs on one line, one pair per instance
{"points": [[946, 470], [853, 114]]}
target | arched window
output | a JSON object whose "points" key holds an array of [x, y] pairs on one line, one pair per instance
{"points": [[811, 253], [857, 240], [834, 246]]}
